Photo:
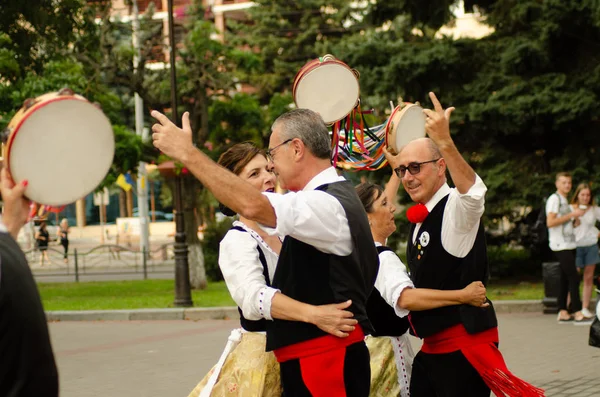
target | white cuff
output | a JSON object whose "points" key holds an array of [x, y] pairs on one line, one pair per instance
{"points": [[265, 296], [477, 191]]}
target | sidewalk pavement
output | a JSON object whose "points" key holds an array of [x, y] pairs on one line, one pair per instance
{"points": [[169, 357], [227, 312]]}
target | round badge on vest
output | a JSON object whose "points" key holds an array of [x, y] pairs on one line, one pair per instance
{"points": [[424, 239]]}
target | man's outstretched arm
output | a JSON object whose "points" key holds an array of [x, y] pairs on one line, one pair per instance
{"points": [[228, 188]]}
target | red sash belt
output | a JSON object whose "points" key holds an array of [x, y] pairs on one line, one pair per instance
{"points": [[481, 352], [318, 345], [322, 362]]}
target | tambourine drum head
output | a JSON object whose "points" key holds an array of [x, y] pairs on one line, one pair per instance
{"points": [[410, 125], [330, 89], [64, 149]]}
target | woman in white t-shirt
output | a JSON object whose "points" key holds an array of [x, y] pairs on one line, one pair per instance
{"points": [[586, 238]]}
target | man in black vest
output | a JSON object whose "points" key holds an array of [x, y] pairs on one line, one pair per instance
{"points": [[328, 254], [27, 366], [447, 250]]}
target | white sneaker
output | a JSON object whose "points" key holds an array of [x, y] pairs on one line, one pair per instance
{"points": [[586, 313]]}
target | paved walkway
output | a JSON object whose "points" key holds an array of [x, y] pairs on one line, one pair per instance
{"points": [[167, 358]]}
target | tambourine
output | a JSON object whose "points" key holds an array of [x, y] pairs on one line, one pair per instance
{"points": [[406, 123], [327, 86], [62, 144]]}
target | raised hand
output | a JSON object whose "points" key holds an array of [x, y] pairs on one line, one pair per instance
{"points": [[333, 319], [474, 295], [16, 206], [437, 122], [173, 141], [392, 158]]}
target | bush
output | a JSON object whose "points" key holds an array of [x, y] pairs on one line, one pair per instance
{"points": [[513, 263], [213, 235]]}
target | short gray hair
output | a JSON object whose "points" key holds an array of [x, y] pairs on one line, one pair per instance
{"points": [[434, 149], [309, 127]]}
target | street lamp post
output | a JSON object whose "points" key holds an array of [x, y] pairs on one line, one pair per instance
{"points": [[183, 296]]}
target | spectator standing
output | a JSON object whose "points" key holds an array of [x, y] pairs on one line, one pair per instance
{"points": [[586, 238], [63, 237], [41, 238], [560, 219]]}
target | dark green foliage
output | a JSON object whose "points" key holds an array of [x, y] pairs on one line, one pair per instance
{"points": [[39, 31], [236, 120], [289, 34], [213, 235], [510, 263]]}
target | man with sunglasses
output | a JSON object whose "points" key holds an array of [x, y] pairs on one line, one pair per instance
{"points": [[328, 254], [447, 250]]}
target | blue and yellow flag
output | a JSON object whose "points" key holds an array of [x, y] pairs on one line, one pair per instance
{"points": [[123, 183]]}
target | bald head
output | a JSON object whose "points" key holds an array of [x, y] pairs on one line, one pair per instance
{"points": [[423, 145], [431, 174]]}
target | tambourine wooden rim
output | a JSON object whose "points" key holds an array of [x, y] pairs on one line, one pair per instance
{"points": [[313, 65], [24, 113], [75, 164], [391, 130]]}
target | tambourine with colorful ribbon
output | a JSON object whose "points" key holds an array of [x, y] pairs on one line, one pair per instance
{"points": [[406, 123], [330, 87]]}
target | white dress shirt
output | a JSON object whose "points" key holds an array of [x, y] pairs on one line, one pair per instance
{"points": [[461, 217], [392, 279], [313, 216], [243, 272]]}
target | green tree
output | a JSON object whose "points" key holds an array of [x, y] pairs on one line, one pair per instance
{"points": [[526, 95], [205, 80], [286, 35]]}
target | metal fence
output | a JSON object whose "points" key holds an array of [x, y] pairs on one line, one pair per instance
{"points": [[106, 259]]}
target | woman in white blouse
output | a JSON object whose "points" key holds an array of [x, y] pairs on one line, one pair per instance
{"points": [[397, 290], [586, 238], [247, 258]]}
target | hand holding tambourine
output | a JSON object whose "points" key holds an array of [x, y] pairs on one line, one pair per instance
{"points": [[16, 206]]}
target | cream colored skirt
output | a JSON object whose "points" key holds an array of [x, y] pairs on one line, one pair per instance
{"points": [[246, 370], [391, 365]]}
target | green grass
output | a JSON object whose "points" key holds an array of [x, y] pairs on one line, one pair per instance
{"points": [[136, 294], [140, 294], [515, 291]]}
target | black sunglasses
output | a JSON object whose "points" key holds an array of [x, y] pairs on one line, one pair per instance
{"points": [[269, 152], [413, 168]]}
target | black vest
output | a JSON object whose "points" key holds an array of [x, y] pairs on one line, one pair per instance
{"points": [[431, 266], [255, 325], [382, 315], [314, 277]]}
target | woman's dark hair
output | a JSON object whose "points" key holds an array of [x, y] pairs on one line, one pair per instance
{"points": [[368, 193], [42, 225], [235, 159]]}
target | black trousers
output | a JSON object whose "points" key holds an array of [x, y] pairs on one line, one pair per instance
{"points": [[356, 373], [65, 244], [569, 281], [445, 375]]}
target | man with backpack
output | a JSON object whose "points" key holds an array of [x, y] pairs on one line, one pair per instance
{"points": [[561, 236]]}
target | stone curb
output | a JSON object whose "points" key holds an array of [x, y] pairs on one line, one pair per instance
{"points": [[227, 312], [519, 306]]}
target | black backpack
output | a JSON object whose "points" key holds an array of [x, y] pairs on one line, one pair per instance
{"points": [[539, 230]]}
